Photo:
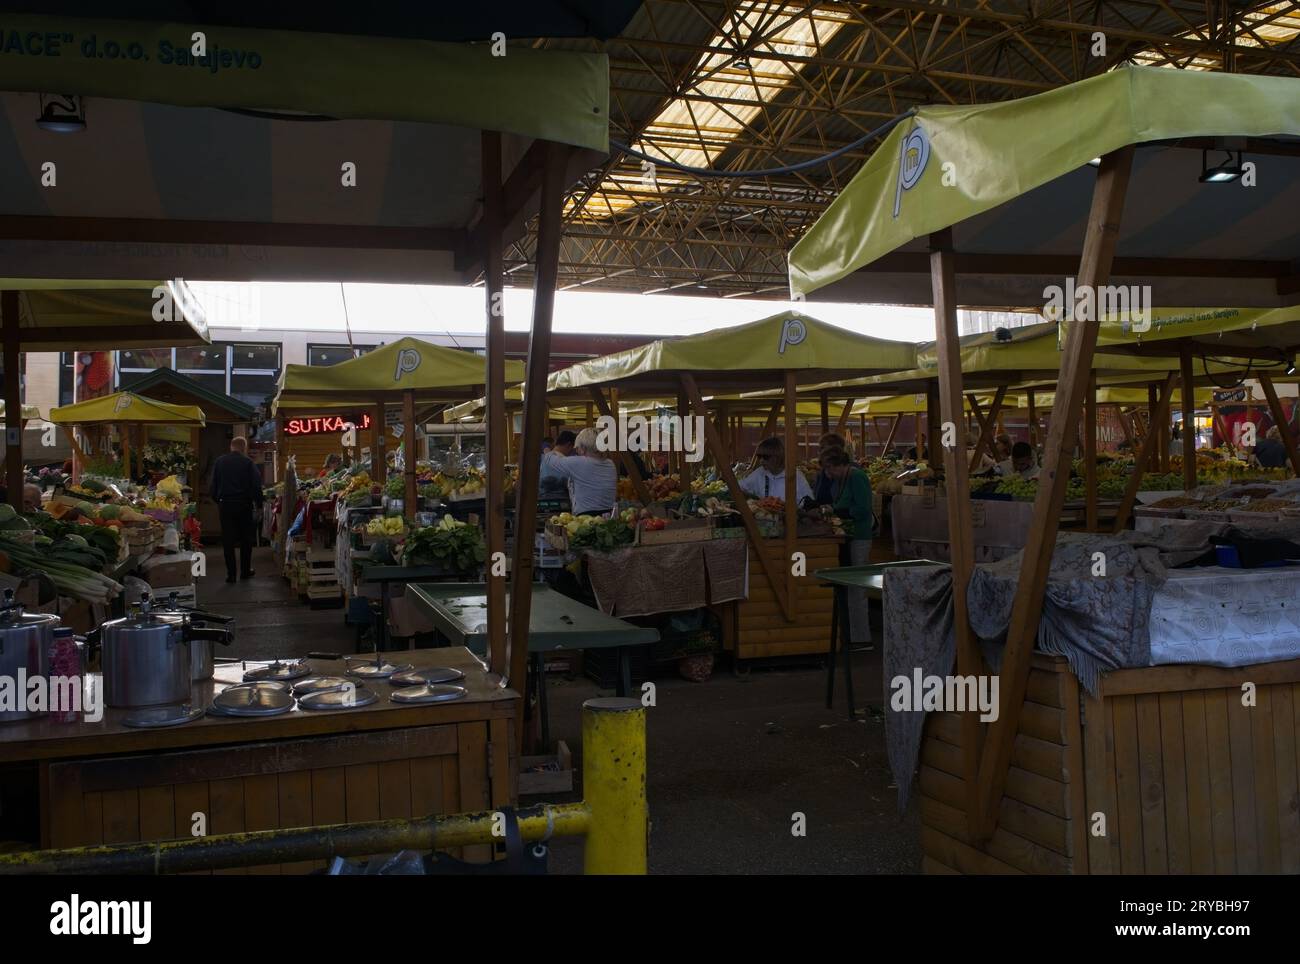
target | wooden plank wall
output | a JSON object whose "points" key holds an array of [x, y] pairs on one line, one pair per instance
{"points": [[1191, 780], [351, 778], [1040, 827], [762, 629]]}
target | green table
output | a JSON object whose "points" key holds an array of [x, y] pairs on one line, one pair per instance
{"points": [[386, 576], [459, 611], [841, 579]]}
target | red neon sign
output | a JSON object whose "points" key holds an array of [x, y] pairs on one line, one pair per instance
{"points": [[322, 423]]}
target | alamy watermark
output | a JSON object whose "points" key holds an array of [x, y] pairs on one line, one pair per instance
{"points": [[51, 694], [659, 433], [945, 694], [1130, 304], [227, 305]]}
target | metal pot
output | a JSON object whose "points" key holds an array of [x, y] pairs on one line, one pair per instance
{"points": [[201, 643], [146, 659], [25, 640]]}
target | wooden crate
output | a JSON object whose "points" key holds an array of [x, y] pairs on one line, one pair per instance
{"points": [[761, 628], [1188, 779], [684, 530]]}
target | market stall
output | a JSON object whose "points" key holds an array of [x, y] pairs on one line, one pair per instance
{"points": [[1154, 745], [792, 349]]}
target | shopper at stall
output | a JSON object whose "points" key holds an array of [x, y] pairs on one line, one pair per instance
{"points": [[768, 479], [1270, 453], [985, 462], [822, 485], [1002, 445], [591, 477], [237, 488], [332, 464], [552, 484], [852, 500], [1022, 462]]}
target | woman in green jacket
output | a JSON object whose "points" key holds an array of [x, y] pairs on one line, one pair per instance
{"points": [[851, 489]]}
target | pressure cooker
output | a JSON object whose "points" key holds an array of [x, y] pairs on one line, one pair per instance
{"points": [[24, 644], [147, 656], [201, 657]]}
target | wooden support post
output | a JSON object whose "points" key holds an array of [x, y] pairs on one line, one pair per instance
{"points": [[728, 436], [379, 451], [408, 453], [629, 463], [791, 487], [893, 430], [1280, 420], [843, 421], [1189, 415], [1033, 421], [683, 413], [496, 417], [933, 423], [539, 355], [713, 439], [1163, 428], [14, 475], [1126, 424], [1144, 458], [961, 533], [826, 412], [862, 432], [125, 429], [1081, 341], [1090, 453], [916, 432], [986, 424]]}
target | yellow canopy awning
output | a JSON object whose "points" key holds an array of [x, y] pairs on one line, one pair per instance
{"points": [[28, 412], [433, 372], [121, 407], [81, 315], [749, 357]]}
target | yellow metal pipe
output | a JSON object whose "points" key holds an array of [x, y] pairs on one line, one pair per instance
{"points": [[613, 783]]}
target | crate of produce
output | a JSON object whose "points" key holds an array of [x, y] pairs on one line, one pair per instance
{"points": [[170, 569], [682, 530]]}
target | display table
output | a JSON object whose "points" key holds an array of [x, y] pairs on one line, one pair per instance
{"points": [[459, 610], [107, 783], [762, 629], [841, 579]]}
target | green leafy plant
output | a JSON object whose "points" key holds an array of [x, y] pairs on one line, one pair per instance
{"points": [[451, 544]]}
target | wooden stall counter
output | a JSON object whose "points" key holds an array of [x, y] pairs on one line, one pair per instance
{"points": [[108, 783], [761, 627], [1189, 778]]}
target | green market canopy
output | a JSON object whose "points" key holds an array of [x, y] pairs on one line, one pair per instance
{"points": [[198, 163], [1014, 183], [69, 315], [749, 357], [432, 372]]}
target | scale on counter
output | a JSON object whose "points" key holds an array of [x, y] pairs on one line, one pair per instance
{"points": [[378, 668], [252, 699], [428, 693], [433, 674], [349, 698], [278, 670], [176, 714]]}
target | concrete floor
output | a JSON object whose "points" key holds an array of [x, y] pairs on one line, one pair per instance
{"points": [[731, 760]]}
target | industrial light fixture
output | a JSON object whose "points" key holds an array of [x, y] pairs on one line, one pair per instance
{"points": [[741, 62], [1095, 162], [1222, 173], [1002, 334], [61, 114], [1290, 364]]}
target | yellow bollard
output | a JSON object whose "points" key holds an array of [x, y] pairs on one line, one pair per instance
{"points": [[613, 785]]}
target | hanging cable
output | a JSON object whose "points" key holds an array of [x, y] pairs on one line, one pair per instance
{"points": [[883, 129]]}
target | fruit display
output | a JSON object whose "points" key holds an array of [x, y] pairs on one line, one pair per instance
{"points": [[593, 532], [391, 527], [714, 487]]}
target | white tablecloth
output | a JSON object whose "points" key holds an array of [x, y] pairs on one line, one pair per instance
{"points": [[1227, 617]]}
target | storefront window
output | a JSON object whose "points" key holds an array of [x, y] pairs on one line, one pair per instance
{"points": [[333, 354], [202, 358]]}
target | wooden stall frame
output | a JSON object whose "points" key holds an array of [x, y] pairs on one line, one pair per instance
{"points": [[1094, 270]]}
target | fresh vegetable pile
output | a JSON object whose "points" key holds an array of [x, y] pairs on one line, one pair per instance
{"points": [[452, 544], [593, 532], [391, 527]]}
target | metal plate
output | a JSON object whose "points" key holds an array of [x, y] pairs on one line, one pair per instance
{"points": [[372, 670], [159, 716], [319, 684], [295, 669], [433, 674], [348, 699], [254, 699], [428, 693]]}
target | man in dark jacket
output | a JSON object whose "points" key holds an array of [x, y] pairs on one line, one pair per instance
{"points": [[237, 487]]}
